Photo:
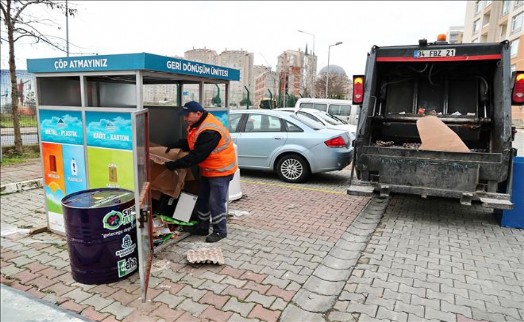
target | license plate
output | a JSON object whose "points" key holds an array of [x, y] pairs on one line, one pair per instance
{"points": [[434, 53]]}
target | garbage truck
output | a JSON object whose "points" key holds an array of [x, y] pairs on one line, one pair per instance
{"points": [[435, 120]]}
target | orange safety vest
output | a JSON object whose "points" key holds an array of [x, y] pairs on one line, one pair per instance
{"points": [[222, 161]]}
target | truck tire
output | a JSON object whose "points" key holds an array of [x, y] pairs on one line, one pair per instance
{"points": [[293, 168]]}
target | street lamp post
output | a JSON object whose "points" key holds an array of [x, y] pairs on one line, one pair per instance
{"points": [[327, 75], [308, 33], [67, 28]]}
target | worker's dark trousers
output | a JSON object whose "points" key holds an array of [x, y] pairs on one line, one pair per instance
{"points": [[211, 203]]}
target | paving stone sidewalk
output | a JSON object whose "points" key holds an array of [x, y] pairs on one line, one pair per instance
{"points": [[20, 176], [436, 260], [266, 263], [301, 252]]}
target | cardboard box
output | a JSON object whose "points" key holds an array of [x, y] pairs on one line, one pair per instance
{"points": [[164, 180], [155, 194]]}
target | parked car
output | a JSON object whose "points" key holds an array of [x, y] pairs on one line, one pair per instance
{"points": [[343, 109], [328, 120], [292, 145]]}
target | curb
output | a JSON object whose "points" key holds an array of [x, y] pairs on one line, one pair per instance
{"points": [[20, 186], [21, 306], [320, 291]]}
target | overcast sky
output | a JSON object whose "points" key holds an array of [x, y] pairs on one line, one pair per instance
{"points": [[265, 28]]}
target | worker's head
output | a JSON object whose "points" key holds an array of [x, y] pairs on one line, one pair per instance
{"points": [[192, 112]]}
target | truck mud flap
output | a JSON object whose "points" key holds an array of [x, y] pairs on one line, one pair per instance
{"points": [[448, 176]]}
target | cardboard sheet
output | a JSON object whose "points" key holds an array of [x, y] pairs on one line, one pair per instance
{"points": [[164, 180], [437, 136]]}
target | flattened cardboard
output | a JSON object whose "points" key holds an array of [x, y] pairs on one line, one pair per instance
{"points": [[164, 180], [437, 136], [155, 194]]}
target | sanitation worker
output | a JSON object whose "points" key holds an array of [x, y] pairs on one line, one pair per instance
{"points": [[211, 148]]}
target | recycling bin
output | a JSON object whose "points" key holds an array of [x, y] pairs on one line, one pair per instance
{"points": [[100, 228], [514, 218], [235, 192]]}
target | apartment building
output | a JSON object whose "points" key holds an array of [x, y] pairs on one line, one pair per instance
{"points": [[266, 81], [237, 59], [295, 75], [495, 21], [297, 72], [243, 61], [206, 56], [455, 34], [202, 55]]}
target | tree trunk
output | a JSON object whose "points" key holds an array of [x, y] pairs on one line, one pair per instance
{"points": [[14, 87]]}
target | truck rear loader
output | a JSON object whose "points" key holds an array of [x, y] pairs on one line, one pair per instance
{"points": [[468, 87]]}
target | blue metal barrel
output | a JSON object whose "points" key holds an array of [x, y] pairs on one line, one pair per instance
{"points": [[101, 235]]}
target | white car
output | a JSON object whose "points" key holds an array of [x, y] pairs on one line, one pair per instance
{"points": [[328, 120]]}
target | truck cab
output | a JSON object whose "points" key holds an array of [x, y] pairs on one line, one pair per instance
{"points": [[468, 87]]}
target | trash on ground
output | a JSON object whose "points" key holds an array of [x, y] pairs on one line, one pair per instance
{"points": [[238, 213], [166, 228], [160, 265]]}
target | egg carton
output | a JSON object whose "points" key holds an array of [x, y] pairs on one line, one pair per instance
{"points": [[206, 255]]}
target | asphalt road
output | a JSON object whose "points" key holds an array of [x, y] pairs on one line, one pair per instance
{"points": [[9, 140]]}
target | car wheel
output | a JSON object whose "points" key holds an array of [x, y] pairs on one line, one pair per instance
{"points": [[293, 168]]}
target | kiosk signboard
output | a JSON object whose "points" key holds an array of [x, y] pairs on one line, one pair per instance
{"points": [[62, 137], [132, 62], [110, 150]]}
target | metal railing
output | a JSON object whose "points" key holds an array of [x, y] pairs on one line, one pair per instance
{"points": [[28, 128]]}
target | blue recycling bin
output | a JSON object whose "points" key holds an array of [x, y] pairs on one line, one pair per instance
{"points": [[514, 218]]}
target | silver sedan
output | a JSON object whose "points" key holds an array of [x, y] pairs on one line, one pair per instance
{"points": [[292, 145]]}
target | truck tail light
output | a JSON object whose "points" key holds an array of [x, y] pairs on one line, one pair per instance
{"points": [[517, 97], [358, 89], [337, 142]]}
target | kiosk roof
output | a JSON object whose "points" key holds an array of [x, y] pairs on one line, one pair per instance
{"points": [[132, 62]]}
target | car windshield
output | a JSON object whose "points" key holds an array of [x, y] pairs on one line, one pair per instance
{"points": [[309, 122], [333, 120], [339, 119]]}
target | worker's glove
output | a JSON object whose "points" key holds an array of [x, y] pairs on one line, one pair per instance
{"points": [[171, 165], [169, 148]]}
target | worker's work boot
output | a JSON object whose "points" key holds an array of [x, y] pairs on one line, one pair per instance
{"points": [[214, 237], [200, 229]]}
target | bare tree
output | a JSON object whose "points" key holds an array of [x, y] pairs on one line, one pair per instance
{"points": [[339, 86], [21, 24]]}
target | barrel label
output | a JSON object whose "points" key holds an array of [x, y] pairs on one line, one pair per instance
{"points": [[128, 247], [114, 219], [127, 266]]}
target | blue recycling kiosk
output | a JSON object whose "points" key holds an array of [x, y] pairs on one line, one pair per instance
{"points": [[97, 116]]}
